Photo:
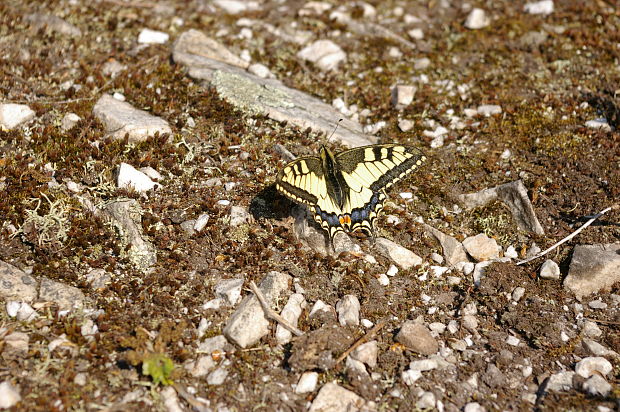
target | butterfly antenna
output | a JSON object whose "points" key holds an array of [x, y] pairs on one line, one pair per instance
{"points": [[333, 131]]}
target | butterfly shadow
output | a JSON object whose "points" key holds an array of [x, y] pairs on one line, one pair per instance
{"points": [[270, 204]]}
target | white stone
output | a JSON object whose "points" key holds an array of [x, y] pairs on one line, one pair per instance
{"points": [[470, 322], [12, 115], [260, 70], [422, 63], [426, 401], [410, 377], [171, 400], [392, 271], [402, 95], [416, 34], [489, 109], [437, 271], [348, 309], [383, 279], [561, 381], [68, 121], [539, 7], [453, 326], [9, 395], [16, 340], [148, 36], [229, 290], [130, 178], [481, 247], [401, 256], [333, 398], [307, 382], [236, 6], [320, 306], [239, 215], [201, 222], [367, 353], [550, 270], [326, 54], [518, 293], [291, 312], [152, 173], [423, 365], [596, 385], [592, 365], [477, 19], [218, 376], [513, 340], [511, 252], [599, 124], [597, 304]]}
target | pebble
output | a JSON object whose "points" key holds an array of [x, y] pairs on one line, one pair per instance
{"points": [[291, 312], [332, 398], [596, 349], [474, 407], [9, 395], [409, 377], [261, 71], [437, 271], [80, 379], [437, 327], [489, 109], [593, 268], [592, 365], [513, 340], [479, 270], [131, 178], [392, 271], [405, 125], [65, 296], [307, 382], [597, 304], [239, 215], [17, 341], [112, 68], [402, 95], [422, 63], [423, 365], [218, 376], [248, 324], [550, 270], [148, 36], [426, 401], [596, 385], [477, 19], [437, 257], [402, 257], [229, 290], [453, 326], [171, 400], [120, 119], [367, 353], [539, 7], [416, 34], [68, 121], [367, 323], [12, 115], [598, 124], [418, 338], [383, 279], [348, 309], [559, 382], [518, 293], [469, 322], [511, 252], [236, 6], [481, 247], [326, 54], [98, 279]]}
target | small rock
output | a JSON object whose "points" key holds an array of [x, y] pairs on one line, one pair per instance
{"points": [[212, 345], [112, 68], [65, 296], [148, 36], [218, 376], [422, 63], [194, 42], [68, 121], [405, 125], [477, 19], [596, 349], [348, 309], [453, 326], [410, 377], [453, 250], [423, 365], [437, 327], [437, 257], [597, 304], [593, 268], [426, 401], [291, 312], [307, 382], [539, 7], [598, 124], [98, 279], [403, 257], [239, 215], [248, 324], [321, 309], [130, 178], [489, 110], [12, 115], [80, 379], [469, 322], [417, 338], [261, 71], [416, 34], [229, 290], [236, 6], [9, 395], [17, 341], [171, 400], [559, 382], [518, 293], [201, 222], [333, 398], [596, 385], [474, 407], [326, 54], [512, 340], [402, 95], [550, 270], [53, 23], [120, 119], [152, 173], [367, 353], [592, 365], [481, 247]]}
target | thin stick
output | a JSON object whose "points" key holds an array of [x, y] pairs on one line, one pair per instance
{"points": [[195, 402], [372, 332], [269, 313], [569, 237]]}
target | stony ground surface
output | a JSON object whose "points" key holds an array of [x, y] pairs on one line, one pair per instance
{"points": [[139, 147]]}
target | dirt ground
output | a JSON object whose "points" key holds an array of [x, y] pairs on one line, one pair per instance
{"points": [[539, 69]]}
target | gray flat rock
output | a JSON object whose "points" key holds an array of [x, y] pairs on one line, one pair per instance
{"points": [[401, 256], [593, 268], [16, 285], [126, 217], [453, 250], [248, 324], [334, 398], [65, 296], [121, 118], [256, 95]]}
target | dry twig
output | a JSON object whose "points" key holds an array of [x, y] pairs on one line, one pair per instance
{"points": [[372, 332], [569, 237], [270, 313]]}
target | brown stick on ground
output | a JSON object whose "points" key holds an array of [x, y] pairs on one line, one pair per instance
{"points": [[270, 313], [372, 332]]}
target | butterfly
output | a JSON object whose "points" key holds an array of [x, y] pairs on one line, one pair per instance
{"points": [[346, 191]]}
